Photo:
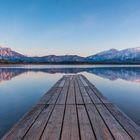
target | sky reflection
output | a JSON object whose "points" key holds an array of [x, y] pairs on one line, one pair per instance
{"points": [[22, 87]]}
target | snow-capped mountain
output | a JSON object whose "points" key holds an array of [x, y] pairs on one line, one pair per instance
{"points": [[8, 54], [109, 54], [12, 56], [130, 55], [112, 56]]}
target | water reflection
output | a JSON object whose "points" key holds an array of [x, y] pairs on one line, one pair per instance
{"points": [[25, 85], [112, 73]]}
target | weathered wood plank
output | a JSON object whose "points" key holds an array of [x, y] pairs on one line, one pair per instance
{"points": [[85, 126], [116, 129], [53, 128], [22, 127], [44, 100], [50, 93], [100, 129], [55, 96], [83, 81], [70, 127], [125, 121], [84, 94], [37, 128], [64, 92], [62, 83], [71, 92], [92, 95], [96, 91], [78, 96]]}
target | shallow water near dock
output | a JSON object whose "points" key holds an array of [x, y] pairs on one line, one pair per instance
{"points": [[21, 87]]}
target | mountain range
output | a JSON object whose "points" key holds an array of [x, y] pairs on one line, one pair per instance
{"points": [[112, 56], [130, 55]]}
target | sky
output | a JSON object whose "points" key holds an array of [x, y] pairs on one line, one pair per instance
{"points": [[82, 27]]}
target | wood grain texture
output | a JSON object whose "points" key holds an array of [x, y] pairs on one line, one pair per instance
{"points": [[85, 126], [62, 98], [93, 96], [79, 99], [70, 127], [86, 98], [53, 128], [71, 92], [37, 128], [100, 129], [116, 129]]}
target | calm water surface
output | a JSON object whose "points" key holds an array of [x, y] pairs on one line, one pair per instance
{"points": [[22, 86]]}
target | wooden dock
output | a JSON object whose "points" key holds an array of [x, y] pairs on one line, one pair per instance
{"points": [[73, 109]]}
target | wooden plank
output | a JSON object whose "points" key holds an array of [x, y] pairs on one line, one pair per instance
{"points": [[79, 99], [83, 81], [71, 92], [37, 128], [44, 100], [132, 129], [100, 129], [84, 123], [51, 92], [21, 128], [62, 83], [84, 94], [53, 128], [100, 95], [70, 127], [55, 96], [63, 95], [96, 91], [116, 129], [93, 96]]}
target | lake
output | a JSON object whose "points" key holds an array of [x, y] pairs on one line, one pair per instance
{"points": [[21, 87]]}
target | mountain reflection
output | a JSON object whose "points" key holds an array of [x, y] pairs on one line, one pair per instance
{"points": [[112, 73]]}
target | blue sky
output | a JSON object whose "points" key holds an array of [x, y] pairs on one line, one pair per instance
{"points": [[83, 27]]}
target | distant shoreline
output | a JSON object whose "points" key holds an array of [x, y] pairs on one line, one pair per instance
{"points": [[69, 63]]}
